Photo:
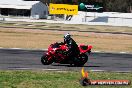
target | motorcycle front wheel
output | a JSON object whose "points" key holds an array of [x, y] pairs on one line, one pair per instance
{"points": [[80, 60], [45, 60]]}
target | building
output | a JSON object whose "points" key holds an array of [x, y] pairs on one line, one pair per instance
{"points": [[32, 9]]}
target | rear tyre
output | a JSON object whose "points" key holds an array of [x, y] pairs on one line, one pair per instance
{"points": [[45, 60], [80, 60]]}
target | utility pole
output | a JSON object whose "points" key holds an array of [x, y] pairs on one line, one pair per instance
{"points": [[130, 9]]}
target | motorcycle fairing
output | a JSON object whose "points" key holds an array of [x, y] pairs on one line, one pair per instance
{"points": [[84, 48]]}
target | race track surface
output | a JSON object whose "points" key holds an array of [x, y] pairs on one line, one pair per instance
{"points": [[14, 59]]}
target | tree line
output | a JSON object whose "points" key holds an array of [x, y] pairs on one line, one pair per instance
{"points": [[109, 5], [118, 5]]}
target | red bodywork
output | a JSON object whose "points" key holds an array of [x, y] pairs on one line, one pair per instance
{"points": [[87, 49], [57, 51]]}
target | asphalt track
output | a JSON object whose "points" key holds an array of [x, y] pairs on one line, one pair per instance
{"points": [[16, 59]]}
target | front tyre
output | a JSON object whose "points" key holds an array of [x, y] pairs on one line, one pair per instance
{"points": [[81, 60], [46, 60]]}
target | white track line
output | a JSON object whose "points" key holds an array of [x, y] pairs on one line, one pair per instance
{"points": [[52, 69], [37, 69], [123, 52], [15, 48], [21, 68], [97, 70], [60, 70], [96, 51]]}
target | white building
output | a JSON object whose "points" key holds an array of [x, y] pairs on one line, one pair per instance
{"points": [[33, 9]]}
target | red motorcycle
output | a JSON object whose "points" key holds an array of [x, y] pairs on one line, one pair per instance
{"points": [[57, 54]]}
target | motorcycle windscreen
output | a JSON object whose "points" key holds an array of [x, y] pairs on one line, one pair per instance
{"points": [[56, 45]]}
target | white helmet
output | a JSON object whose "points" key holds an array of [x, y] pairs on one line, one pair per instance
{"points": [[67, 36]]}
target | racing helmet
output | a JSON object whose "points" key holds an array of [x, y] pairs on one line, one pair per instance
{"points": [[67, 36]]}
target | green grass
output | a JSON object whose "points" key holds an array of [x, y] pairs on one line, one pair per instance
{"points": [[46, 79]]}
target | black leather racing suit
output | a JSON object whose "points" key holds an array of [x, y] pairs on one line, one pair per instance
{"points": [[73, 49]]}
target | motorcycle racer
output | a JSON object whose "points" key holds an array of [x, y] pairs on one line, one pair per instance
{"points": [[71, 44], [67, 52]]}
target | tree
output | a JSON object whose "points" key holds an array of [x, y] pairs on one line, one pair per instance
{"points": [[117, 5]]}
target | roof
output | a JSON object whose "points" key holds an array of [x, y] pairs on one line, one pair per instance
{"points": [[17, 4]]}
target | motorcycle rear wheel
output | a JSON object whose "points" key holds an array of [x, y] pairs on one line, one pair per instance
{"points": [[80, 60], [45, 61]]}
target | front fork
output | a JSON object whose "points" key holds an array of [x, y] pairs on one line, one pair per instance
{"points": [[89, 52]]}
